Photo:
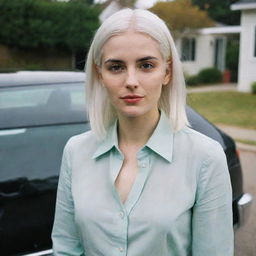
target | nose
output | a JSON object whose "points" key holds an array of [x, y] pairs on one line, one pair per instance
{"points": [[131, 80]]}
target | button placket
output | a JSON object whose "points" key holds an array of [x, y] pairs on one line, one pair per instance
{"points": [[121, 214], [122, 222], [143, 158], [121, 249], [142, 165]]}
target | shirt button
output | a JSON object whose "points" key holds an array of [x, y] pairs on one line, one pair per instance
{"points": [[121, 214], [121, 249], [143, 165]]}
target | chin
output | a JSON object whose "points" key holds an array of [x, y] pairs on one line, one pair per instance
{"points": [[132, 112]]}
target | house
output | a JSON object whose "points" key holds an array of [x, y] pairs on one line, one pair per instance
{"points": [[247, 56], [204, 48]]}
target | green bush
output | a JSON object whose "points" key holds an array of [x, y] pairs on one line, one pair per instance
{"points": [[209, 76], [47, 24], [192, 80], [253, 87]]}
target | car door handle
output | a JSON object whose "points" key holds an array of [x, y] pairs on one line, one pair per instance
{"points": [[8, 195], [12, 188]]}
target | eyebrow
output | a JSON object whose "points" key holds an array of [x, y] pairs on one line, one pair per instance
{"points": [[139, 60]]}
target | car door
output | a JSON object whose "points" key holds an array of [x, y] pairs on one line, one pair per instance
{"points": [[32, 138]]}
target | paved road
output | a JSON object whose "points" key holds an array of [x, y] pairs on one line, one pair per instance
{"points": [[245, 237], [238, 132]]}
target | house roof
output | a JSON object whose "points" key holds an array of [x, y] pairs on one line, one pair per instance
{"points": [[220, 30], [244, 5], [245, 1]]}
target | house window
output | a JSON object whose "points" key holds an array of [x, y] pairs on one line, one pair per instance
{"points": [[254, 42], [188, 49]]}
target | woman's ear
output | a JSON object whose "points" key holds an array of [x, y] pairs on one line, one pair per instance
{"points": [[99, 75], [168, 72], [98, 72]]}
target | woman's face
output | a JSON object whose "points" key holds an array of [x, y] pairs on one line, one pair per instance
{"points": [[133, 72]]}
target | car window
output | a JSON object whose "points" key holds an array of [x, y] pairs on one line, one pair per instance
{"points": [[23, 97], [38, 105]]}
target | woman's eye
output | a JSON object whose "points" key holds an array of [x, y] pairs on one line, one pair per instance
{"points": [[147, 66], [116, 68]]}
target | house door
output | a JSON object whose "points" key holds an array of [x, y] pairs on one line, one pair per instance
{"points": [[220, 53]]}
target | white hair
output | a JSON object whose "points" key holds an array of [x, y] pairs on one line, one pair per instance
{"points": [[173, 97]]}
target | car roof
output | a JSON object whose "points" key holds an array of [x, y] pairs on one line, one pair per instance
{"points": [[39, 77]]}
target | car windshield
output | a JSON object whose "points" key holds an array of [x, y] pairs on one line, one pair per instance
{"points": [[44, 104]]}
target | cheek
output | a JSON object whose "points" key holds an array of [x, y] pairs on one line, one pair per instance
{"points": [[155, 89], [111, 81], [111, 91], [112, 87], [154, 83]]}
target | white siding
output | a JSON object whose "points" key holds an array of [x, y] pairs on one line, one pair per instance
{"points": [[204, 56], [247, 62]]}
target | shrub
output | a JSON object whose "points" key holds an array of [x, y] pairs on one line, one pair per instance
{"points": [[192, 80], [209, 76], [253, 87]]}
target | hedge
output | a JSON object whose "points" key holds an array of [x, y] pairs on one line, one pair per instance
{"points": [[209, 76]]}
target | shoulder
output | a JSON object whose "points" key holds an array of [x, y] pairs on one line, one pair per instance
{"points": [[199, 146], [208, 158], [81, 143], [196, 138]]}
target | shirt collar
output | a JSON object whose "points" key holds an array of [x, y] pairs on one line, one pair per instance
{"points": [[108, 142], [161, 141]]}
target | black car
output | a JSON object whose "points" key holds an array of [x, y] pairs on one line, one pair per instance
{"points": [[39, 111]]}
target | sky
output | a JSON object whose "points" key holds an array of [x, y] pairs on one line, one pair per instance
{"points": [[140, 3]]}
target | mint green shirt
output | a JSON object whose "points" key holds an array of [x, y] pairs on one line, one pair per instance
{"points": [[180, 203]]}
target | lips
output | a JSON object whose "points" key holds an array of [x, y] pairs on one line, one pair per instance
{"points": [[132, 98]]}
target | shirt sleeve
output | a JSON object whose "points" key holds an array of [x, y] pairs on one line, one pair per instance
{"points": [[212, 223], [65, 235]]}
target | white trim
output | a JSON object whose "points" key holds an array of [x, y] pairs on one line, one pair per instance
{"points": [[221, 30], [12, 132], [47, 252], [244, 6]]}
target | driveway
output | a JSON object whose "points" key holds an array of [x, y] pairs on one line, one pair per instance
{"points": [[245, 236]]}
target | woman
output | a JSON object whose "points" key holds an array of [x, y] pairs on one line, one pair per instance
{"points": [[141, 183]]}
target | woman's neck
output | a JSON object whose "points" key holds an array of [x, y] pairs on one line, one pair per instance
{"points": [[134, 132]]}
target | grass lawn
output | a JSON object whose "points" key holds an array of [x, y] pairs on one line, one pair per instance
{"points": [[250, 142], [230, 108]]}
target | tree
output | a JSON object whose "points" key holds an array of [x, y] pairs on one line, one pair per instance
{"points": [[180, 15], [220, 10], [89, 2], [123, 3], [44, 24], [127, 3]]}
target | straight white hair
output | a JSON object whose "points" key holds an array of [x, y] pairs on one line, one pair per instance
{"points": [[173, 97]]}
